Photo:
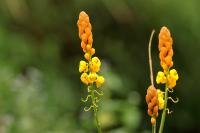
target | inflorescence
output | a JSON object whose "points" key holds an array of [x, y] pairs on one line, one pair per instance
{"points": [[90, 66], [156, 98]]}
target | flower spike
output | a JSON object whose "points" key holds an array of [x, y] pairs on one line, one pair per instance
{"points": [[89, 67], [157, 99]]}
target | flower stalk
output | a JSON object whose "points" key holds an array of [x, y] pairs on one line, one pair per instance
{"points": [[90, 67], [164, 110], [156, 98], [95, 110]]}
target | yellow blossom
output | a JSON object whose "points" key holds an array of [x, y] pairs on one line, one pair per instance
{"points": [[161, 101], [161, 78], [92, 77], [171, 81], [172, 78], [174, 73], [100, 80], [83, 66], [84, 78], [95, 64]]}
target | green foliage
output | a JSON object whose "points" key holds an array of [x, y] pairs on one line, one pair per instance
{"points": [[40, 90]]}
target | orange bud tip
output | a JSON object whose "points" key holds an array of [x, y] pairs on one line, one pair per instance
{"points": [[87, 56], [153, 120]]}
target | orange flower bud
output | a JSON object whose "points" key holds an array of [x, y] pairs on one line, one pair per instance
{"points": [[153, 120], [88, 47], [85, 30], [165, 48], [87, 56], [83, 45], [152, 102], [92, 51], [90, 39], [84, 37]]}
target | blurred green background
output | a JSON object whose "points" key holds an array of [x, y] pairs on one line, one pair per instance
{"points": [[40, 89]]}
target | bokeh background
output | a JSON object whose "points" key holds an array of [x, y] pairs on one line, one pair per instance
{"points": [[40, 89]]}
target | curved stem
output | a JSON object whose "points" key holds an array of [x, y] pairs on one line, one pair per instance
{"points": [[164, 110], [150, 60], [151, 71]]}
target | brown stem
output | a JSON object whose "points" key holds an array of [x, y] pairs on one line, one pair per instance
{"points": [[150, 60]]}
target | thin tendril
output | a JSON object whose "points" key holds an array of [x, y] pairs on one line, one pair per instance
{"points": [[171, 91], [89, 89], [86, 109], [169, 111], [94, 103], [99, 93], [174, 101], [97, 99], [86, 99]]}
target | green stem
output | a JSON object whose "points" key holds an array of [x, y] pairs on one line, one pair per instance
{"points": [[95, 111], [164, 110], [154, 128], [97, 121]]}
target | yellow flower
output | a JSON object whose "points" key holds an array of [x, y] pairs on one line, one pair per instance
{"points": [[95, 64], [100, 80], [160, 93], [174, 73], [171, 81], [161, 101], [84, 78], [92, 77], [83, 66], [161, 78], [172, 78]]}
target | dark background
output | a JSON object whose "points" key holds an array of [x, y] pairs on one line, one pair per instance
{"points": [[40, 88]]}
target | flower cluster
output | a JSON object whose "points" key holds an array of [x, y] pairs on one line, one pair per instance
{"points": [[94, 64], [169, 78], [91, 66], [165, 48], [85, 34], [153, 103], [156, 98]]}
